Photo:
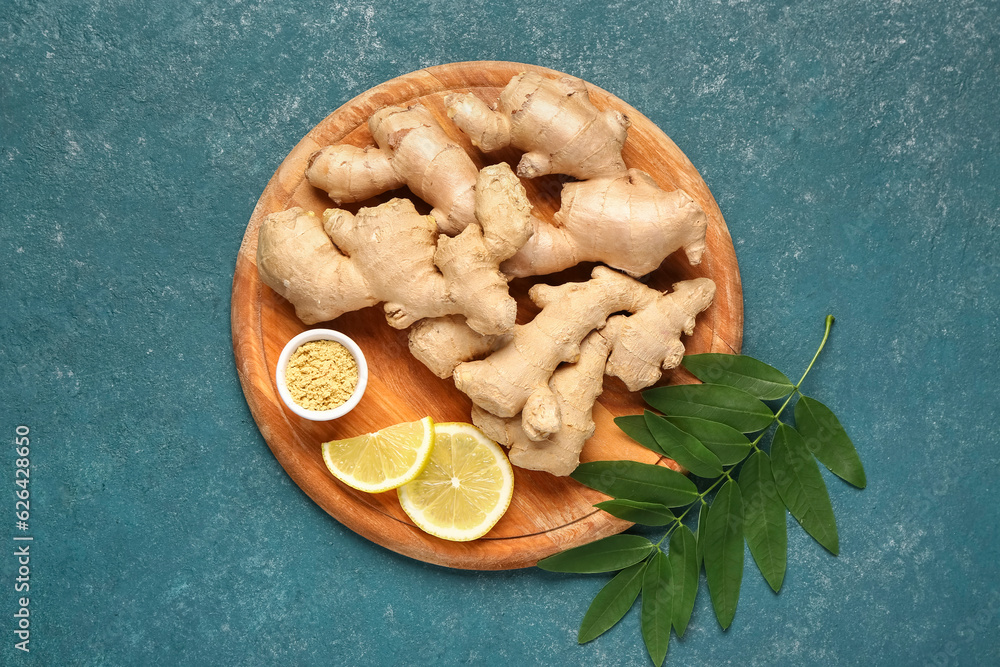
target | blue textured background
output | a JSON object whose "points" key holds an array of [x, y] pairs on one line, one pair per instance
{"points": [[852, 146]]}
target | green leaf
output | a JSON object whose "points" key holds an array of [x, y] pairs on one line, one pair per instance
{"points": [[828, 441], [684, 577], [725, 442], [647, 514], [702, 527], [740, 371], [764, 521], [611, 603], [714, 402], [634, 426], [656, 607], [637, 481], [801, 487], [682, 447], [724, 551], [605, 555]]}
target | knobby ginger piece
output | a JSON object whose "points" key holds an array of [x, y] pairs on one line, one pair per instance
{"points": [[552, 120], [297, 259], [616, 216], [649, 342], [412, 150], [625, 221], [442, 343], [518, 373], [392, 254], [575, 388]]}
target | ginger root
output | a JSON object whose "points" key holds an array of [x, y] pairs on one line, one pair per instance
{"points": [[553, 120], [515, 377], [617, 216], [533, 386], [576, 387], [625, 221], [296, 259], [556, 419], [413, 151], [442, 343], [649, 342], [392, 254]]}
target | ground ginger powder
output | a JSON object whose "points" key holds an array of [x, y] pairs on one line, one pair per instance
{"points": [[321, 375]]}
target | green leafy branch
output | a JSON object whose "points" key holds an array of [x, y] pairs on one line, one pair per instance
{"points": [[705, 429]]}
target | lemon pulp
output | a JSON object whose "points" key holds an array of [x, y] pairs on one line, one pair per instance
{"points": [[465, 487], [383, 460]]}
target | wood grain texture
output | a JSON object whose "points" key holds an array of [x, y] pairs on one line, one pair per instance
{"points": [[547, 514]]}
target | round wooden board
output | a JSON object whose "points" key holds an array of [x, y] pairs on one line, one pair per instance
{"points": [[547, 514]]}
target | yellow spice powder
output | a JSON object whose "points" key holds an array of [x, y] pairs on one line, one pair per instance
{"points": [[321, 375]]}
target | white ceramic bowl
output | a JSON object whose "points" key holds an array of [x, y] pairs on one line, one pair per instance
{"points": [[309, 336]]}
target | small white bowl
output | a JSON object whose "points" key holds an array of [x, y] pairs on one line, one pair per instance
{"points": [[309, 336]]}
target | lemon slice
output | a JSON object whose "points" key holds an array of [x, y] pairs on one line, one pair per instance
{"points": [[465, 488], [380, 461]]}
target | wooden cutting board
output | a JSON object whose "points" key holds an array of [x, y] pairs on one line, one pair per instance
{"points": [[547, 514]]}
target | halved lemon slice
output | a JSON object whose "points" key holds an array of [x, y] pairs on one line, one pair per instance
{"points": [[384, 460], [465, 488]]}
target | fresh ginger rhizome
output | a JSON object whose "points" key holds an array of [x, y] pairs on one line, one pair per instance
{"points": [[445, 275]]}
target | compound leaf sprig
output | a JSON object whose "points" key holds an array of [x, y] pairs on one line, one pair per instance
{"points": [[718, 431]]}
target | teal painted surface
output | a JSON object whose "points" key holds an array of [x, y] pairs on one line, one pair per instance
{"points": [[852, 146]]}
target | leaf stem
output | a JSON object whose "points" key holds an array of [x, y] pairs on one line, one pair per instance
{"points": [[795, 390], [678, 520], [826, 334]]}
